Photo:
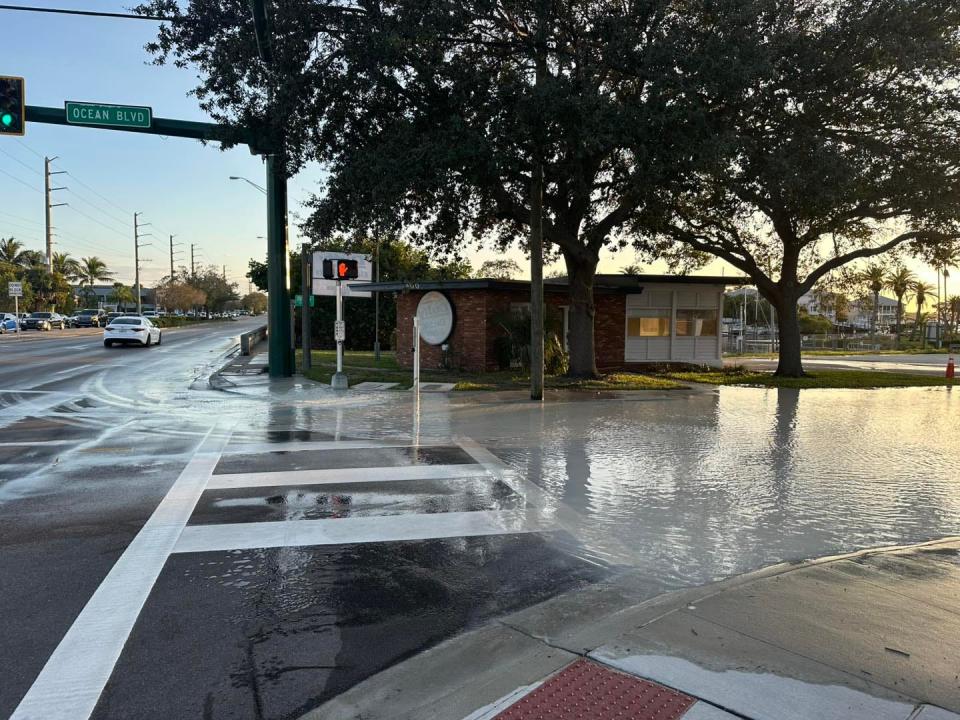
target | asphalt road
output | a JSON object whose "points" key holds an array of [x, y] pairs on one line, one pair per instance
{"points": [[171, 551]]}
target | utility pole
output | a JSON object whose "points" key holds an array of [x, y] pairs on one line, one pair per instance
{"points": [[306, 291], [48, 206], [136, 257], [193, 267], [376, 310], [224, 273], [173, 273], [536, 226]]}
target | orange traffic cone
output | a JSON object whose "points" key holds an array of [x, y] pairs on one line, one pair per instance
{"points": [[950, 368]]}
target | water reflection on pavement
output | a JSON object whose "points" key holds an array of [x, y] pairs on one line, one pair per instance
{"points": [[694, 486]]}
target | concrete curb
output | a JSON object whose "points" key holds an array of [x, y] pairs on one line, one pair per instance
{"points": [[482, 667]]}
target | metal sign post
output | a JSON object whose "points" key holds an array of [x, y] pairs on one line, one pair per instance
{"points": [[15, 290], [416, 355], [339, 380]]}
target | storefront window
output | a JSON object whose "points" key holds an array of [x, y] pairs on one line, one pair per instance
{"points": [[696, 323], [649, 323]]}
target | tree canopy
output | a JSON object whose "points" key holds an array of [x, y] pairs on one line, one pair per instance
{"points": [[841, 143]]}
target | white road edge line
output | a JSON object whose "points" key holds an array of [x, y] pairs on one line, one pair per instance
{"points": [[342, 476], [75, 675], [388, 528], [253, 448]]}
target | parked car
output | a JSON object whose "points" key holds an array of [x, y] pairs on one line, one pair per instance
{"points": [[131, 329], [44, 321], [93, 317], [8, 322], [152, 314]]}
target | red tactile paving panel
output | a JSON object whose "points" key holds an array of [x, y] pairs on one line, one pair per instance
{"points": [[587, 691]]}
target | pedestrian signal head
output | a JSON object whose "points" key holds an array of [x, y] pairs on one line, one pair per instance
{"points": [[340, 269], [12, 106]]}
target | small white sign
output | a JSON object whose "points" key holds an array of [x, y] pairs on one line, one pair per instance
{"points": [[435, 315], [15, 289], [322, 286], [339, 330]]}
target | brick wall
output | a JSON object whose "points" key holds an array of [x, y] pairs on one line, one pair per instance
{"points": [[468, 342], [472, 342]]}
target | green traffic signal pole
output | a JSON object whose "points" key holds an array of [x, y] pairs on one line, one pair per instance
{"points": [[278, 310], [278, 286]]}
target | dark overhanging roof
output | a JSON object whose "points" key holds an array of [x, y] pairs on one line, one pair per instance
{"points": [[602, 283]]}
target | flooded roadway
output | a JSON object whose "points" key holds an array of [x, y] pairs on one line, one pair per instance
{"points": [[315, 539]]}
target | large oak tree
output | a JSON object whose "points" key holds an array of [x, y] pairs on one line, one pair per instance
{"points": [[432, 115], [841, 123]]}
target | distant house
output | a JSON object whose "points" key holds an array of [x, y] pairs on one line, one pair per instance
{"points": [[102, 296], [858, 315]]}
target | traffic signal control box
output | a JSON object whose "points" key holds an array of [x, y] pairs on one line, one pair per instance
{"points": [[13, 108], [340, 269]]}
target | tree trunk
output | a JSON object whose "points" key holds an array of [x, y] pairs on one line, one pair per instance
{"points": [[788, 320], [583, 360], [899, 319]]}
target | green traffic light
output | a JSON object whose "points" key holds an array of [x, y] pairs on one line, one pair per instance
{"points": [[6, 119]]}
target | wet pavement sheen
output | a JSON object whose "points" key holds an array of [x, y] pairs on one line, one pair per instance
{"points": [[273, 633], [681, 487]]}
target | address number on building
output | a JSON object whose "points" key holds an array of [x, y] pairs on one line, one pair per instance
{"points": [[339, 330]]}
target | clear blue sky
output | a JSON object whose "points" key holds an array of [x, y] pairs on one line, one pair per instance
{"points": [[179, 185]]}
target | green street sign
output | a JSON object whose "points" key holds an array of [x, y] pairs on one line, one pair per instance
{"points": [[298, 301], [129, 116]]}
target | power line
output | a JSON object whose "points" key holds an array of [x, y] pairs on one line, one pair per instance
{"points": [[90, 217], [20, 217], [94, 206], [88, 13], [102, 197], [22, 182], [21, 142], [21, 162]]}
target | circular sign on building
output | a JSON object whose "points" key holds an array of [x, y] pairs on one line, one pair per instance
{"points": [[435, 314]]}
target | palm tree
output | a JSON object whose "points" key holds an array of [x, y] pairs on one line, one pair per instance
{"points": [[900, 281], [920, 291], [92, 271], [874, 277], [943, 258], [11, 251], [66, 266], [122, 295]]}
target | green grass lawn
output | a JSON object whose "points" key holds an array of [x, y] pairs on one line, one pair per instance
{"points": [[361, 367], [816, 379]]}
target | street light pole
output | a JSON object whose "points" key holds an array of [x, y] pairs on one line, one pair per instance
{"points": [[250, 182]]}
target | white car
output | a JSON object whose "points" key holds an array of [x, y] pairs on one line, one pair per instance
{"points": [[130, 329]]}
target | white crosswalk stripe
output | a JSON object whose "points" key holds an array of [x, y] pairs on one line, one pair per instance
{"points": [[339, 476], [389, 528]]}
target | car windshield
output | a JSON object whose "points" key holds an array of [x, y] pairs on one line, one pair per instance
{"points": [[40, 315], [127, 321], [88, 312]]}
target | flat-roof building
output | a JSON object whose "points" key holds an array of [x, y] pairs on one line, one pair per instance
{"points": [[639, 319]]}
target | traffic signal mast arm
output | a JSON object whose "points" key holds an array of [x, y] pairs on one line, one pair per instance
{"points": [[160, 126]]}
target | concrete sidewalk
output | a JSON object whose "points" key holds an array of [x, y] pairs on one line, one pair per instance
{"points": [[873, 635]]}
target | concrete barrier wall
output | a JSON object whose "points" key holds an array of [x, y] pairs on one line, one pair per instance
{"points": [[249, 339]]}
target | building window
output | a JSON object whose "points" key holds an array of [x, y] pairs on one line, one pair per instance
{"points": [[696, 323], [649, 323]]}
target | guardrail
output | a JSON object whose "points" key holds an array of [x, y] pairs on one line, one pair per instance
{"points": [[249, 339]]}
